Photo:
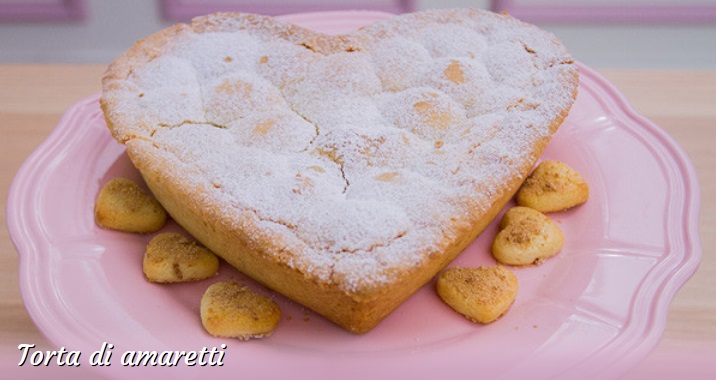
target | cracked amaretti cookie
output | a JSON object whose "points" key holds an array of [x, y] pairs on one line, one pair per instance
{"points": [[342, 171]]}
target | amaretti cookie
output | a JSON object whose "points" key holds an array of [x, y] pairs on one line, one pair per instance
{"points": [[553, 186], [171, 257], [231, 310], [481, 294], [526, 237], [123, 205]]}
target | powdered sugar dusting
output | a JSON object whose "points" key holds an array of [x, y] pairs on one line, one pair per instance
{"points": [[363, 149]]}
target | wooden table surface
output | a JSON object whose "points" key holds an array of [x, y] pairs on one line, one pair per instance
{"points": [[33, 97]]}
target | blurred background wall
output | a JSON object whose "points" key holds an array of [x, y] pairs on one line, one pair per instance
{"points": [[600, 33]]}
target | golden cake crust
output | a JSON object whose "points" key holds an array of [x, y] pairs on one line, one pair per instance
{"points": [[318, 164]]}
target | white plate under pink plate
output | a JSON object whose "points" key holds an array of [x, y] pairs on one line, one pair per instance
{"points": [[592, 311]]}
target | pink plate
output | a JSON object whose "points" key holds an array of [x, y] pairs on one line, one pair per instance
{"points": [[593, 311]]}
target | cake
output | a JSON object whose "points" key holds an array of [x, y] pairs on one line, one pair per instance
{"points": [[342, 171]]}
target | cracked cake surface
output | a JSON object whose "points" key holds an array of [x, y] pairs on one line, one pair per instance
{"points": [[352, 162]]}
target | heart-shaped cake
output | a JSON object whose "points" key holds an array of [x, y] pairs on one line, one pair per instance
{"points": [[341, 171]]}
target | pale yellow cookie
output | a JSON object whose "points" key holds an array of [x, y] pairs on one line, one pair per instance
{"points": [[232, 310], [553, 186], [171, 257], [123, 205], [527, 237], [480, 294]]}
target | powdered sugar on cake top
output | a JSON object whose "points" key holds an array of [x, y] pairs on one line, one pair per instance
{"points": [[363, 150]]}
